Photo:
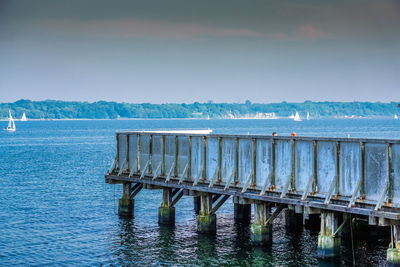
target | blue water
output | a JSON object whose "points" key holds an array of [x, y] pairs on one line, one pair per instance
{"points": [[55, 208]]}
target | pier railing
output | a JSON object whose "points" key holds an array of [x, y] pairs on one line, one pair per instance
{"points": [[360, 176]]}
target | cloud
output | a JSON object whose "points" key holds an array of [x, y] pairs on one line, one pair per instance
{"points": [[138, 28], [311, 32], [132, 28]]}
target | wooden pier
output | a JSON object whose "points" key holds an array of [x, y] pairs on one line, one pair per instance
{"points": [[333, 178]]}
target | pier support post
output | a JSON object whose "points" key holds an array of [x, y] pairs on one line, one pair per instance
{"points": [[206, 221], [126, 203], [166, 212], [242, 213], [261, 229], [393, 252], [328, 240], [293, 219], [196, 204]]}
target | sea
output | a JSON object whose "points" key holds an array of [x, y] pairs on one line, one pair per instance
{"points": [[56, 210]]}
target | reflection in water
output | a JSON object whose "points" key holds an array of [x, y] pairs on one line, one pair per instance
{"points": [[127, 241], [232, 246], [167, 244]]}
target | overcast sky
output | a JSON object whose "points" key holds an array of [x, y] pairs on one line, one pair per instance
{"points": [[190, 50]]}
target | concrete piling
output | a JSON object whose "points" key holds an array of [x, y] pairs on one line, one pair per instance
{"points": [[261, 230], [393, 252], [126, 204], [206, 221], [166, 212], [328, 240]]}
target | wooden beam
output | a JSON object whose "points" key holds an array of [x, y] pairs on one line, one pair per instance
{"points": [[275, 214], [219, 204], [136, 191], [176, 199]]}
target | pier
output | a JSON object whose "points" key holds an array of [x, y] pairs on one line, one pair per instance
{"points": [[333, 181]]}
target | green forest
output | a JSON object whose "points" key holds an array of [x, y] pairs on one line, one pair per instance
{"points": [[53, 109]]}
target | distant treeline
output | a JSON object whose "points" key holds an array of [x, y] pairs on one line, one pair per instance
{"points": [[51, 109]]}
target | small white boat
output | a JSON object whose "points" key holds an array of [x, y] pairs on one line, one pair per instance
{"points": [[308, 116], [395, 117], [23, 118], [11, 123], [297, 117]]}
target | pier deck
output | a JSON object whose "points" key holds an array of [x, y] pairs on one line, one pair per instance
{"points": [[310, 175]]}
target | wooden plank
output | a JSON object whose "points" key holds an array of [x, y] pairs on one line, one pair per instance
{"points": [[308, 188], [150, 154], [286, 186], [246, 185], [123, 167], [293, 178], [236, 161], [183, 173], [214, 178], [144, 169], [204, 158], [176, 157], [337, 168], [362, 152], [254, 164], [231, 178], [163, 155], [134, 168], [269, 178], [315, 166], [382, 197], [170, 173], [127, 151], [273, 162], [330, 192], [219, 159], [199, 175], [390, 174], [117, 157], [190, 158], [139, 149], [355, 193], [155, 175]]}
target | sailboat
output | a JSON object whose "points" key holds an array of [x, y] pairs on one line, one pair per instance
{"points": [[308, 116], [11, 123], [23, 118], [395, 117], [297, 117]]}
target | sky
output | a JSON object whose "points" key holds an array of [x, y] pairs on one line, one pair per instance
{"points": [[175, 51]]}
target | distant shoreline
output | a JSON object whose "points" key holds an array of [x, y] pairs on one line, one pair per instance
{"points": [[266, 119], [52, 109]]}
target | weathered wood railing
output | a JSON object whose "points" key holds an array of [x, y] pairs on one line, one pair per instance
{"points": [[360, 176]]}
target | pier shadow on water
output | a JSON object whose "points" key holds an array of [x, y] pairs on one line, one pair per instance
{"points": [[137, 244]]}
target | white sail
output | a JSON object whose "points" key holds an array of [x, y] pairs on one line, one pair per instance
{"points": [[11, 123], [297, 117], [23, 118], [308, 115], [395, 117]]}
